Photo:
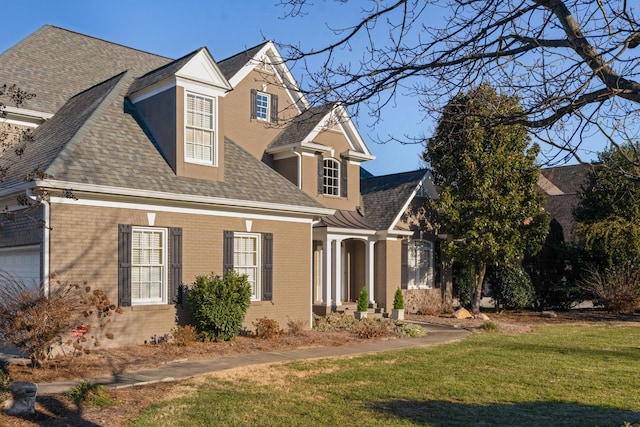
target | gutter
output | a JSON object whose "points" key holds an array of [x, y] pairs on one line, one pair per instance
{"points": [[299, 172], [174, 197]]}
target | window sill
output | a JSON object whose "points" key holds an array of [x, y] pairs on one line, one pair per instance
{"points": [[151, 307]]}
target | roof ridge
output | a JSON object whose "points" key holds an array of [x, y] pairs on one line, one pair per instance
{"points": [[105, 41], [245, 50]]}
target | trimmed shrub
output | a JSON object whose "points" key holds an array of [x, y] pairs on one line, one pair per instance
{"points": [[511, 287], [363, 300], [219, 305], [398, 300]]}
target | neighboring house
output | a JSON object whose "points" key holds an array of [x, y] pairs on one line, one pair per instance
{"points": [[152, 171], [562, 185]]}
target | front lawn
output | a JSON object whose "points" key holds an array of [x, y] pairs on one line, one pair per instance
{"points": [[576, 374]]}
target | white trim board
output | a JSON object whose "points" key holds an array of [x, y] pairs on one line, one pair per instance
{"points": [[171, 209]]}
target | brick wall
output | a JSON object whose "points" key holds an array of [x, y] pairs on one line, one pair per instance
{"points": [[84, 248]]}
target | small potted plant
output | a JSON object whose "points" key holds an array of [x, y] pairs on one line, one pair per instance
{"points": [[363, 304], [397, 313]]}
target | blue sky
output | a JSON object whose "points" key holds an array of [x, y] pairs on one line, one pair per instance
{"points": [[226, 27], [174, 28]]}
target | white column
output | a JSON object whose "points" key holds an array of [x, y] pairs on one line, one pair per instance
{"points": [[326, 271], [338, 273], [370, 268]]}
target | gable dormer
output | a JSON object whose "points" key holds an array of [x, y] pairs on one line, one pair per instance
{"points": [[181, 106], [321, 151]]}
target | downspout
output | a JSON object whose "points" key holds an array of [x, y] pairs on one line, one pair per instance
{"points": [[299, 156], [46, 216]]}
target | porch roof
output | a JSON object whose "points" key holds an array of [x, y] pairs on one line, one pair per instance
{"points": [[346, 219]]}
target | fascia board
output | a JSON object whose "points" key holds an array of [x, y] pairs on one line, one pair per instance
{"points": [[283, 74], [351, 132], [405, 206]]}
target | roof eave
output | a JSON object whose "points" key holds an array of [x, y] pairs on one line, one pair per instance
{"points": [[158, 195]]}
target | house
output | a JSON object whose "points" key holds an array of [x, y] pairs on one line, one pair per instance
{"points": [[561, 185], [143, 172]]}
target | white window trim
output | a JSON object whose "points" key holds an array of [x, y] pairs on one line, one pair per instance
{"points": [[165, 273], [214, 148], [258, 237], [411, 283], [337, 178], [267, 117]]}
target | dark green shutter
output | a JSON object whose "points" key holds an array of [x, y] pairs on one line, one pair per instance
{"points": [[320, 174], [254, 100], [343, 177], [267, 266], [404, 263], [227, 251], [175, 274], [274, 108], [124, 265]]}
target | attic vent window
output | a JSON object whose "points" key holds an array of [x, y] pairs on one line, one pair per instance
{"points": [[199, 133], [262, 106]]}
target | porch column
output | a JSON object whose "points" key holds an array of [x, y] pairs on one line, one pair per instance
{"points": [[337, 277], [327, 261], [369, 266]]}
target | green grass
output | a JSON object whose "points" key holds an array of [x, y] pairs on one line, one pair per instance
{"points": [[578, 375]]}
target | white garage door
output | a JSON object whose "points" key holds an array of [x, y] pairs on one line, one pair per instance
{"points": [[22, 262]]}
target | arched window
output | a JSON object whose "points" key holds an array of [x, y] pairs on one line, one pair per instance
{"points": [[331, 179]]}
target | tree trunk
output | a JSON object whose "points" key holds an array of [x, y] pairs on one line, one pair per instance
{"points": [[481, 269]]}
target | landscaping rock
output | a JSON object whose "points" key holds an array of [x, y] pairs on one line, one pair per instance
{"points": [[483, 316], [462, 313], [549, 314], [23, 399]]}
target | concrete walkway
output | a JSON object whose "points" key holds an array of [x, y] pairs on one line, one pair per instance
{"points": [[185, 369]]}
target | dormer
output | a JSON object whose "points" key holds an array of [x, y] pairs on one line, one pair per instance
{"points": [[321, 151], [181, 106]]}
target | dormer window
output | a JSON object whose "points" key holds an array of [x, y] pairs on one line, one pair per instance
{"points": [[200, 141], [264, 106], [331, 179]]}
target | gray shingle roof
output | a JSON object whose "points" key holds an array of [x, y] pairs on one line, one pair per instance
{"points": [[301, 126], [230, 66], [91, 139], [569, 179], [384, 197], [56, 64], [162, 73]]}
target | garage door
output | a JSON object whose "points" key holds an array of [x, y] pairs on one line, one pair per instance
{"points": [[22, 262]]}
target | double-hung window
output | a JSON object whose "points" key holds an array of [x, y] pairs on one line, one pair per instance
{"points": [[246, 260], [148, 265], [331, 177], [200, 146], [251, 254], [420, 264]]}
